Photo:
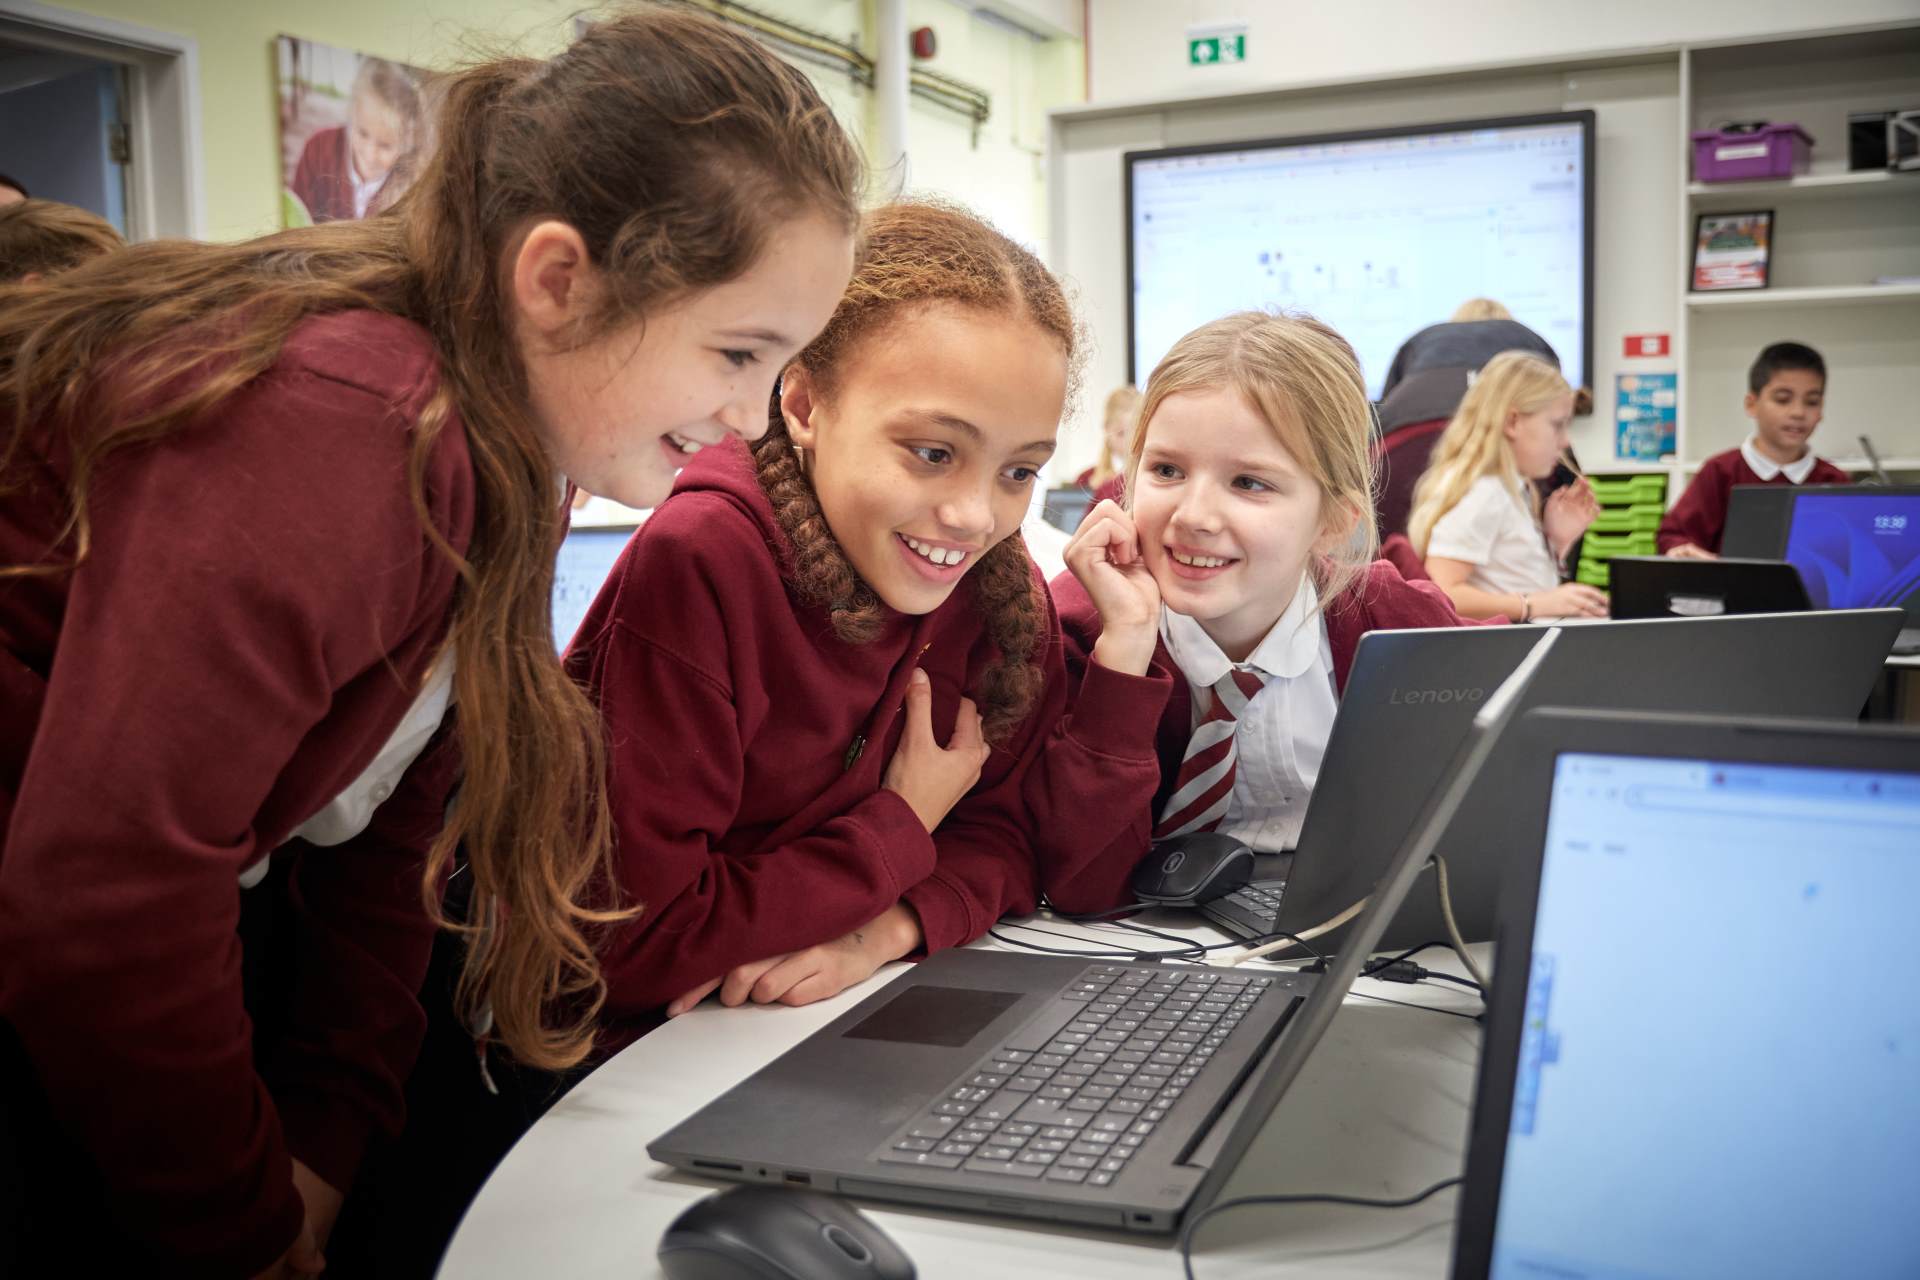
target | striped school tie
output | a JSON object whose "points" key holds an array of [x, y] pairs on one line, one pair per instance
{"points": [[1205, 783]]}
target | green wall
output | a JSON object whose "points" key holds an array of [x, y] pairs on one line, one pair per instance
{"points": [[1000, 172]]}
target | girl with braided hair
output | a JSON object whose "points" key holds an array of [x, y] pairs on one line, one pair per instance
{"points": [[816, 753]]}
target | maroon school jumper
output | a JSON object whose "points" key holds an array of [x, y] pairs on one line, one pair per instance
{"points": [[324, 177], [1121, 832], [258, 610], [1700, 517], [748, 744]]}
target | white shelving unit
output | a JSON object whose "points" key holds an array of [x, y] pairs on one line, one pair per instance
{"points": [[1808, 296], [1811, 186], [1834, 233]]}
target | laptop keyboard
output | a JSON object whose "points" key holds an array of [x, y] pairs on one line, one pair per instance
{"points": [[1252, 910], [1071, 1103]]}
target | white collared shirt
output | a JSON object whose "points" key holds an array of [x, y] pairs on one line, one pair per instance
{"points": [[363, 192], [1766, 468], [1493, 529], [1281, 736], [347, 814]]}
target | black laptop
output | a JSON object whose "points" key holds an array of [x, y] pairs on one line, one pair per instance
{"points": [[1668, 587], [1702, 1054], [1411, 694], [1110, 1095]]}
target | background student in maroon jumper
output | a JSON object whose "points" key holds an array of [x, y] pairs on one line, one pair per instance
{"points": [[271, 510], [1786, 388], [816, 748], [1244, 562]]}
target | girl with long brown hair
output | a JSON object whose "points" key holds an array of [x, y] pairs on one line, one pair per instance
{"points": [[815, 759], [275, 513]]}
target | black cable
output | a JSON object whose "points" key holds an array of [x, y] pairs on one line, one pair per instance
{"points": [[1374, 966], [1432, 975], [1408, 1004], [1193, 1224], [1185, 951]]}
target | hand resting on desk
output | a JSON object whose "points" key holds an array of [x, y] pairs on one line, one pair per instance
{"points": [[802, 977]]}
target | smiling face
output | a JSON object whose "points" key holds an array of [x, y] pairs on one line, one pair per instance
{"points": [[625, 411], [1540, 437], [1786, 411], [1228, 518], [924, 446], [378, 134]]}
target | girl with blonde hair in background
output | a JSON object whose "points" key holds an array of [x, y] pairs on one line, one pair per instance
{"points": [[1478, 520]]}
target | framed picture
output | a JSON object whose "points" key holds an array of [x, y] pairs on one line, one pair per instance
{"points": [[1731, 250], [354, 130]]}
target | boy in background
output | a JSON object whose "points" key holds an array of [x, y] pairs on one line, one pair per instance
{"points": [[1785, 388]]}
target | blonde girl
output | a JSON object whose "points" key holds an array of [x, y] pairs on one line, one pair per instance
{"points": [[1488, 540], [1245, 553]]}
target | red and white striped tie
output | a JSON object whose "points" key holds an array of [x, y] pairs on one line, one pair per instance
{"points": [[1205, 783]]}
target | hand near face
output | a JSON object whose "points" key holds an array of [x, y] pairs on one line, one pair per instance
{"points": [[802, 977], [1569, 510], [1105, 556]]}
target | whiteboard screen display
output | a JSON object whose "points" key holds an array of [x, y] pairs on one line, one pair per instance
{"points": [[1378, 234]]}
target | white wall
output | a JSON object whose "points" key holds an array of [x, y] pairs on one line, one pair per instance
{"points": [[1637, 175], [1138, 48]]}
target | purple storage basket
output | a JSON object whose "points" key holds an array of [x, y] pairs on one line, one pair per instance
{"points": [[1771, 151]]}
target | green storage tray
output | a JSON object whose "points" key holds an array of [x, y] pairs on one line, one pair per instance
{"points": [[1621, 491], [1605, 546], [1593, 573], [1641, 517]]}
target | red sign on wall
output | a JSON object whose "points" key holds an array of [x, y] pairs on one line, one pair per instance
{"points": [[1648, 344]]}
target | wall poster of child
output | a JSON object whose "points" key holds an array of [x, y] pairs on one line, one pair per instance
{"points": [[353, 129]]}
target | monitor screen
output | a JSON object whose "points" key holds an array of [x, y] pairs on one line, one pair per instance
{"points": [[586, 558], [1744, 1103], [1379, 234], [1858, 549]]}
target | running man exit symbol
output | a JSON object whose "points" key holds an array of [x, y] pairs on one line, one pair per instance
{"points": [[1216, 43]]}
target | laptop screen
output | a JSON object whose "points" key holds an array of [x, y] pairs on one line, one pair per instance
{"points": [[1741, 1102], [1858, 549], [586, 558]]}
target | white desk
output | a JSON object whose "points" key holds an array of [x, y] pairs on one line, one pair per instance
{"points": [[1381, 1110]]}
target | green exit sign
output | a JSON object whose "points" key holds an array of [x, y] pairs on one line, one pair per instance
{"points": [[1215, 47]]}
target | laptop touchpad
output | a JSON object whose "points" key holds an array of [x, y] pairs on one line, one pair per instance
{"points": [[948, 1016]]}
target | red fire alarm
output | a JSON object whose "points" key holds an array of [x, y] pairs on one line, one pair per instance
{"points": [[1648, 344], [922, 42]]}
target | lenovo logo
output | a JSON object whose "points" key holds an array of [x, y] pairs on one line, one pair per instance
{"points": [[1428, 697]]}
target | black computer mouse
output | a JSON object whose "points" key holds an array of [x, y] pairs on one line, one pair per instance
{"points": [[776, 1233], [1184, 871]]}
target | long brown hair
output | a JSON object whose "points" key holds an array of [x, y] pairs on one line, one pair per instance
{"points": [[39, 236], [674, 146], [917, 253]]}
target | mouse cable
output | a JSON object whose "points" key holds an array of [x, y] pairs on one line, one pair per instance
{"points": [[1374, 966], [1477, 1019], [1193, 1224], [1185, 951], [1453, 926]]}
